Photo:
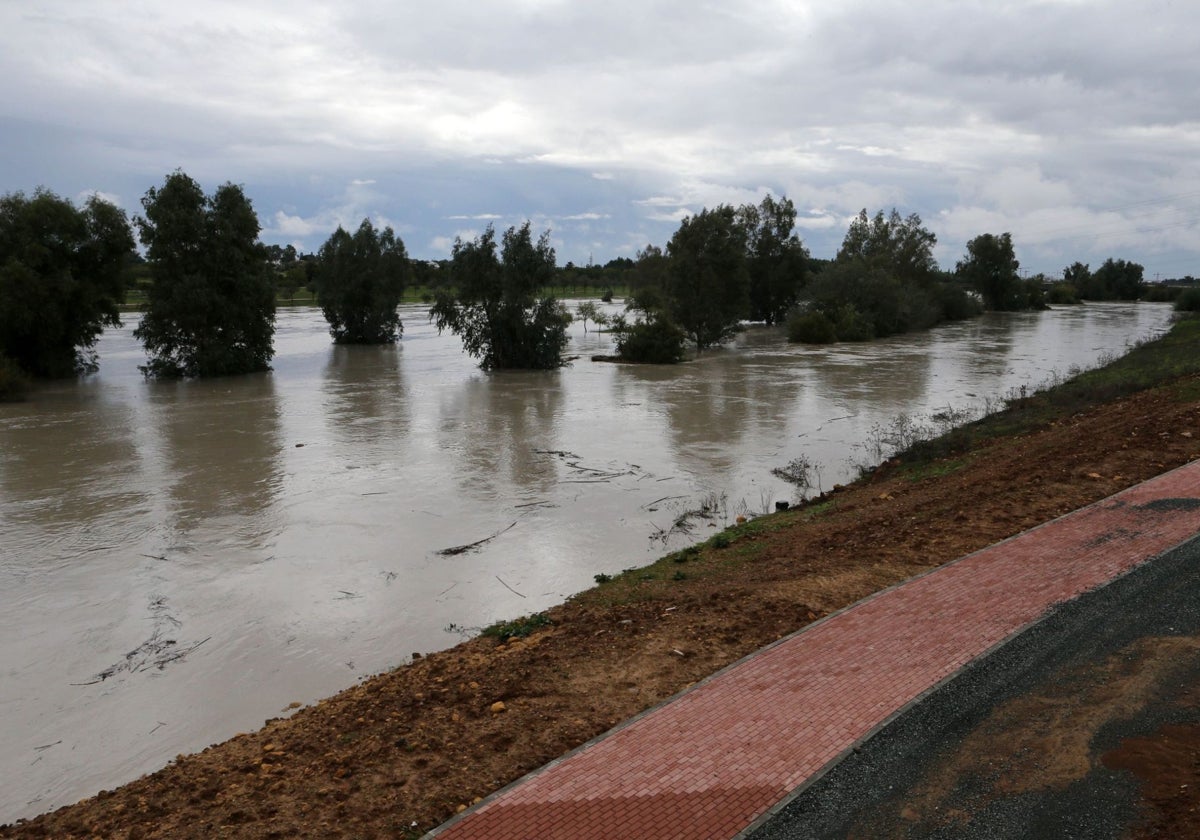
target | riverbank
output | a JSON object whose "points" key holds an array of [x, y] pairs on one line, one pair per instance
{"points": [[403, 751]]}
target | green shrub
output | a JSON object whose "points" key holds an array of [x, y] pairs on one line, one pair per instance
{"points": [[1062, 293], [810, 327], [1188, 300], [956, 303], [655, 341], [852, 325], [518, 628]]}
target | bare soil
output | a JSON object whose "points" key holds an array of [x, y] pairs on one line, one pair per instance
{"points": [[403, 751]]}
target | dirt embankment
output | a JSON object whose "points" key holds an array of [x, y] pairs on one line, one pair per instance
{"points": [[402, 752]]}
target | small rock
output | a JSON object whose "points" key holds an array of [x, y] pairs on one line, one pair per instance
{"points": [[461, 807], [498, 707]]}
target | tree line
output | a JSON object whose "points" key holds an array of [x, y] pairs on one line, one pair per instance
{"points": [[210, 284]]}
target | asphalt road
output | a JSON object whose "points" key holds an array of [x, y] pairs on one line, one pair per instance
{"points": [[1016, 745]]}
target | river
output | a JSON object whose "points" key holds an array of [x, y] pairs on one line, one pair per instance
{"points": [[182, 560]]}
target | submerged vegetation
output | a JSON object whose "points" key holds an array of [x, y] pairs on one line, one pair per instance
{"points": [[209, 287]]}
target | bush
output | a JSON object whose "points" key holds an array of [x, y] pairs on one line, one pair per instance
{"points": [[518, 628], [956, 304], [1188, 300], [654, 341], [852, 325], [13, 382], [810, 327], [1062, 293]]}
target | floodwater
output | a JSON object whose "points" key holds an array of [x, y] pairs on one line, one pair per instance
{"points": [[180, 561]]}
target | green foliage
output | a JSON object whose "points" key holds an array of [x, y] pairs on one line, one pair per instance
{"points": [[588, 310], [1123, 280], [211, 309], [776, 261], [497, 312], [901, 247], [1114, 280], [707, 281], [653, 340], [360, 280], [721, 540], [1062, 293], [602, 578], [883, 282], [61, 280], [991, 267], [1188, 300], [955, 303], [518, 628], [811, 327], [1161, 293]]}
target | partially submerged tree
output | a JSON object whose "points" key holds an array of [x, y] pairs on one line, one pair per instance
{"points": [[211, 309], [884, 281], [902, 247], [1117, 280], [652, 337], [707, 281], [496, 309], [776, 260], [61, 280], [360, 280], [990, 266]]}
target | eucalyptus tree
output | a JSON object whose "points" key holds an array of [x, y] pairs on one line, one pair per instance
{"points": [[211, 308], [776, 259], [706, 279], [61, 280], [359, 281], [495, 303]]}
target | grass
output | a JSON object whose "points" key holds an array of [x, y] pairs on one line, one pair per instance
{"points": [[518, 628]]}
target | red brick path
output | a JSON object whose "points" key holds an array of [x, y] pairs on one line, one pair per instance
{"points": [[709, 762]]}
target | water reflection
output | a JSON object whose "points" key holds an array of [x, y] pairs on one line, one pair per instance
{"points": [[366, 401], [887, 376], [500, 430], [221, 447], [67, 464]]}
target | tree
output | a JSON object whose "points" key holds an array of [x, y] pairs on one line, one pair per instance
{"points": [[211, 309], [360, 280], [991, 267], [707, 282], [1118, 279], [776, 260], [901, 247], [586, 311], [496, 310], [61, 280]]}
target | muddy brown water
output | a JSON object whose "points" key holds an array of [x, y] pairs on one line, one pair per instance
{"points": [[181, 561]]}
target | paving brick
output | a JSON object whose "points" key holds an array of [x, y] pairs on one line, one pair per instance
{"points": [[711, 761]]}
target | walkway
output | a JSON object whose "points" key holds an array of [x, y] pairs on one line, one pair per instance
{"points": [[711, 761]]}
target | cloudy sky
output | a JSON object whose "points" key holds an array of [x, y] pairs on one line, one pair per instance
{"points": [[1073, 124]]}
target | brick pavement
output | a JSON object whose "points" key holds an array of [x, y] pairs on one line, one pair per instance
{"points": [[709, 762]]}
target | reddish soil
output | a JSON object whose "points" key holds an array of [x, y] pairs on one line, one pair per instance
{"points": [[403, 751]]}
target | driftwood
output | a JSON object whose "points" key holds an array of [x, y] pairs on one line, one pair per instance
{"points": [[463, 549]]}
